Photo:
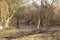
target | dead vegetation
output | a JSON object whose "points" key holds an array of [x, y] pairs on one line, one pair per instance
{"points": [[27, 34]]}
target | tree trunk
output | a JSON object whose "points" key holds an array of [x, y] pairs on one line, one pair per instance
{"points": [[5, 24], [17, 23], [38, 25]]}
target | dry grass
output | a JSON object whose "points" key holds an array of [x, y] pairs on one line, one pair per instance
{"points": [[39, 37], [18, 34]]}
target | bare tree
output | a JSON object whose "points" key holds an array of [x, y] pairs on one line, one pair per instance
{"points": [[46, 14], [8, 10]]}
